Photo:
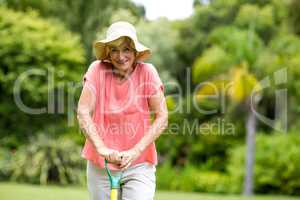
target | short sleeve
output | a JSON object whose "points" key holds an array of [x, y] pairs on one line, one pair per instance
{"points": [[153, 83], [90, 77]]}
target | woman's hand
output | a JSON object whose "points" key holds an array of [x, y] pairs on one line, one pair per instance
{"points": [[112, 156], [128, 157]]}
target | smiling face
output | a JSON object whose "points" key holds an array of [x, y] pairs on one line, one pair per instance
{"points": [[122, 55]]}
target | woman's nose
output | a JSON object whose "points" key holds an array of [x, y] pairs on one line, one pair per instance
{"points": [[121, 55]]}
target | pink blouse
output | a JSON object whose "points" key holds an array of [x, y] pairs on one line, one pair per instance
{"points": [[121, 114]]}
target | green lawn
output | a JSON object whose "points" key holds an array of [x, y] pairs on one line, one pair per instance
{"points": [[14, 191]]}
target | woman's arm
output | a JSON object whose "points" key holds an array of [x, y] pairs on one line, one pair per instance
{"points": [[157, 104], [86, 107]]}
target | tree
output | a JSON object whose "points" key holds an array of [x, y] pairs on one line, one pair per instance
{"points": [[80, 16], [280, 60], [194, 31], [244, 86], [294, 16], [235, 52], [41, 62], [263, 18], [160, 35]]}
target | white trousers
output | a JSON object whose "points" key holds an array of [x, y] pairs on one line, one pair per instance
{"points": [[137, 182]]}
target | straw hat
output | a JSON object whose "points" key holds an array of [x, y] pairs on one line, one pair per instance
{"points": [[114, 32]]}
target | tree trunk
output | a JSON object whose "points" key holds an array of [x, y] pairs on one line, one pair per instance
{"points": [[250, 154]]}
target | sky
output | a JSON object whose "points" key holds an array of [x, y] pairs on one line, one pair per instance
{"points": [[172, 9]]}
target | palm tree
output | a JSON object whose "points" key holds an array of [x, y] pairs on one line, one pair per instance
{"points": [[233, 54], [244, 87]]}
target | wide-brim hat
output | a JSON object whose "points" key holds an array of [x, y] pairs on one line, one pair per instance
{"points": [[115, 31]]}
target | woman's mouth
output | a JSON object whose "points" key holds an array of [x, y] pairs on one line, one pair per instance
{"points": [[122, 62]]}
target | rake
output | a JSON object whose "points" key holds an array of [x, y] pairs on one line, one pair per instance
{"points": [[114, 182]]}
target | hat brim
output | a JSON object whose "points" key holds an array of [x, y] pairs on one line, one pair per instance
{"points": [[100, 49]]}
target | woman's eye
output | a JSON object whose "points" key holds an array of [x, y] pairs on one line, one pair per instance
{"points": [[126, 49], [114, 50]]}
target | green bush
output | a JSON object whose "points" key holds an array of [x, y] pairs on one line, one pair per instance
{"points": [[193, 139], [277, 164], [48, 160], [190, 179], [53, 54], [165, 176], [213, 182], [5, 161]]}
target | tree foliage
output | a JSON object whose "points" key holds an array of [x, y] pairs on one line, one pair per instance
{"points": [[35, 52], [80, 16]]}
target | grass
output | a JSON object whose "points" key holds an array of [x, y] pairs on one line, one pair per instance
{"points": [[15, 191]]}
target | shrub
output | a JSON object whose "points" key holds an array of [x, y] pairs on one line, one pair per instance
{"points": [[213, 182], [277, 164], [191, 179], [193, 139], [165, 177], [49, 160], [5, 161]]}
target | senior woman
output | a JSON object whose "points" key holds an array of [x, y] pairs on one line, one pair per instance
{"points": [[114, 112]]}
